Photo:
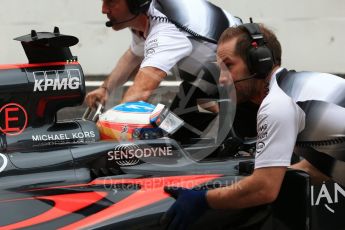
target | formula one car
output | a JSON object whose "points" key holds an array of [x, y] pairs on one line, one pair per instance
{"points": [[62, 174]]}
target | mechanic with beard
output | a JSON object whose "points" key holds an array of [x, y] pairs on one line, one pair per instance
{"points": [[299, 111], [159, 42]]}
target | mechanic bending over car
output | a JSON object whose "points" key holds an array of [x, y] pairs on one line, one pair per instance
{"points": [[299, 111], [159, 42]]}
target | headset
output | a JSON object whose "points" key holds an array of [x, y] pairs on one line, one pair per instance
{"points": [[138, 6], [260, 60], [141, 6]]}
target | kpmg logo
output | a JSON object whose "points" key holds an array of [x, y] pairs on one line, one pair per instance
{"points": [[3, 162], [57, 80], [326, 197]]}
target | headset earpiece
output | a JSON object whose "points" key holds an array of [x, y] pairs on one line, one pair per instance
{"points": [[138, 6], [260, 59]]}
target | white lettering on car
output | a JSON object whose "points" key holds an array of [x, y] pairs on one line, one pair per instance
{"points": [[63, 136], [130, 155], [57, 80], [326, 196], [4, 162]]}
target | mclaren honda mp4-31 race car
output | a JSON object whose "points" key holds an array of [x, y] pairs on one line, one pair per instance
{"points": [[79, 174]]}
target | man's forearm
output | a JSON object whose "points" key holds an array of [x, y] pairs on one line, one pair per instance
{"points": [[145, 82], [253, 190], [317, 177], [122, 71]]}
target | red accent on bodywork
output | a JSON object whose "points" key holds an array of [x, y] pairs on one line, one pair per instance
{"points": [[64, 205], [19, 131], [42, 104], [152, 191], [20, 66]]}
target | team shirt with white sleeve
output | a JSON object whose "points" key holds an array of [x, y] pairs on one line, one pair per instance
{"points": [[303, 113], [279, 121], [165, 44]]}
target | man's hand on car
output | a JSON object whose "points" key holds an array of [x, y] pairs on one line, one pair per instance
{"points": [[189, 206], [99, 95]]}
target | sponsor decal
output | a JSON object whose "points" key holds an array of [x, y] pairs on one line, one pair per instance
{"points": [[124, 132], [260, 146], [15, 119], [129, 154], [150, 47], [67, 79], [262, 136], [3, 162], [152, 43], [149, 52], [326, 197], [63, 138], [262, 117], [262, 127]]}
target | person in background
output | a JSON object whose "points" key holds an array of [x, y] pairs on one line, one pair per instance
{"points": [[161, 40]]}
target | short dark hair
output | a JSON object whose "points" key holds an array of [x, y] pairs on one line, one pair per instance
{"points": [[244, 41]]}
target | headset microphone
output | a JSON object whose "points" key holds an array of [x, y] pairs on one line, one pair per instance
{"points": [[109, 24], [246, 78], [112, 23]]}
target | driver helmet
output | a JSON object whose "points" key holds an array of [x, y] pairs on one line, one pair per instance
{"points": [[128, 121]]}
